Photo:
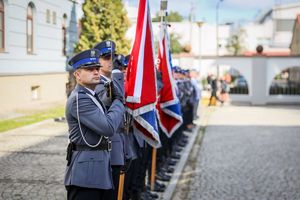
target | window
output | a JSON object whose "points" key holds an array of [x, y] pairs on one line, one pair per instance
{"points": [[2, 25], [30, 28], [48, 16], [35, 92], [64, 35], [54, 17], [285, 24]]}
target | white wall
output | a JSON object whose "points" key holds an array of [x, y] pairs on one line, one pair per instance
{"points": [[256, 34], [266, 33], [47, 56], [289, 11], [259, 73], [202, 40]]}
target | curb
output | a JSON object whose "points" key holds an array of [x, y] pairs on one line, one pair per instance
{"points": [[167, 195], [27, 127], [202, 123]]}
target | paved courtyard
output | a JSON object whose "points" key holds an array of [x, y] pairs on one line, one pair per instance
{"points": [[246, 153], [32, 162]]}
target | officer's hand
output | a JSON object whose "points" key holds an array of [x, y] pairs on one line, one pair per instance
{"points": [[116, 94], [126, 166], [118, 62], [108, 86]]}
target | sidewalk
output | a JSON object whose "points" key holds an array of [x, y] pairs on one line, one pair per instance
{"points": [[32, 161], [240, 152], [246, 153]]}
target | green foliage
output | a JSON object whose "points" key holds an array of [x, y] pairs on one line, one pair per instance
{"points": [[31, 118], [175, 45], [103, 20], [277, 77], [172, 17], [204, 82], [236, 43]]}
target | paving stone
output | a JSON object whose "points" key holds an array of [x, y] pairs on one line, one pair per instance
{"points": [[248, 156]]}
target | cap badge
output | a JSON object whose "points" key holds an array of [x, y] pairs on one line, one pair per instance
{"points": [[93, 53]]}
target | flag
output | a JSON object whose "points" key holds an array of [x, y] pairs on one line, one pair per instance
{"points": [[168, 106], [141, 79]]}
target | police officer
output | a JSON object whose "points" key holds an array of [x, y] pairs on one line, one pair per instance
{"points": [[88, 173], [110, 73]]}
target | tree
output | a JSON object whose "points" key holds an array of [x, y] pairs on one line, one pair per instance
{"points": [[175, 45], [236, 43], [103, 20], [172, 17]]}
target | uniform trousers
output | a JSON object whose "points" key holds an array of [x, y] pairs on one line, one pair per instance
{"points": [[165, 151], [138, 169], [112, 194], [81, 193], [130, 180]]}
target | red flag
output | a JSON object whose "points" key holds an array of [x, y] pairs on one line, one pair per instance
{"points": [[169, 112], [141, 78]]}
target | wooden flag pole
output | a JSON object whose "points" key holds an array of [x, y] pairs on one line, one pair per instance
{"points": [[153, 168], [121, 185]]}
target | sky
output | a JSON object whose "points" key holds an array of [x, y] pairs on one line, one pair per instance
{"points": [[229, 10]]}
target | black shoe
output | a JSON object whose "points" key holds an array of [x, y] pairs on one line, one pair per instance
{"points": [[163, 177], [152, 195], [182, 143], [178, 149], [171, 162], [170, 170], [167, 170], [183, 140], [157, 188], [145, 196], [161, 185], [175, 156]]}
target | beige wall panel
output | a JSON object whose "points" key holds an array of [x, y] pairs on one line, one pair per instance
{"points": [[16, 91]]}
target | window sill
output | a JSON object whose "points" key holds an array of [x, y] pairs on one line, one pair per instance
{"points": [[31, 54]]}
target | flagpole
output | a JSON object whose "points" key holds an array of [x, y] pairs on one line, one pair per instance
{"points": [[110, 85], [141, 94], [163, 14], [153, 167], [121, 185]]}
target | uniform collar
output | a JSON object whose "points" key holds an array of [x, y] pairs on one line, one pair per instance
{"points": [[106, 79], [84, 89], [91, 91]]}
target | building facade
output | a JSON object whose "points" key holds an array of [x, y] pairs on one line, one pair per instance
{"points": [[295, 44], [34, 37], [273, 29]]}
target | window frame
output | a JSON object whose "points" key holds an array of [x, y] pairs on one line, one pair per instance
{"points": [[64, 34], [2, 29], [48, 16], [285, 25], [31, 19], [54, 18]]}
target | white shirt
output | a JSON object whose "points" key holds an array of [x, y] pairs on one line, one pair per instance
{"points": [[91, 91]]}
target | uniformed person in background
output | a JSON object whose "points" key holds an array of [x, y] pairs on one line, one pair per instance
{"points": [[110, 72], [88, 173]]}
